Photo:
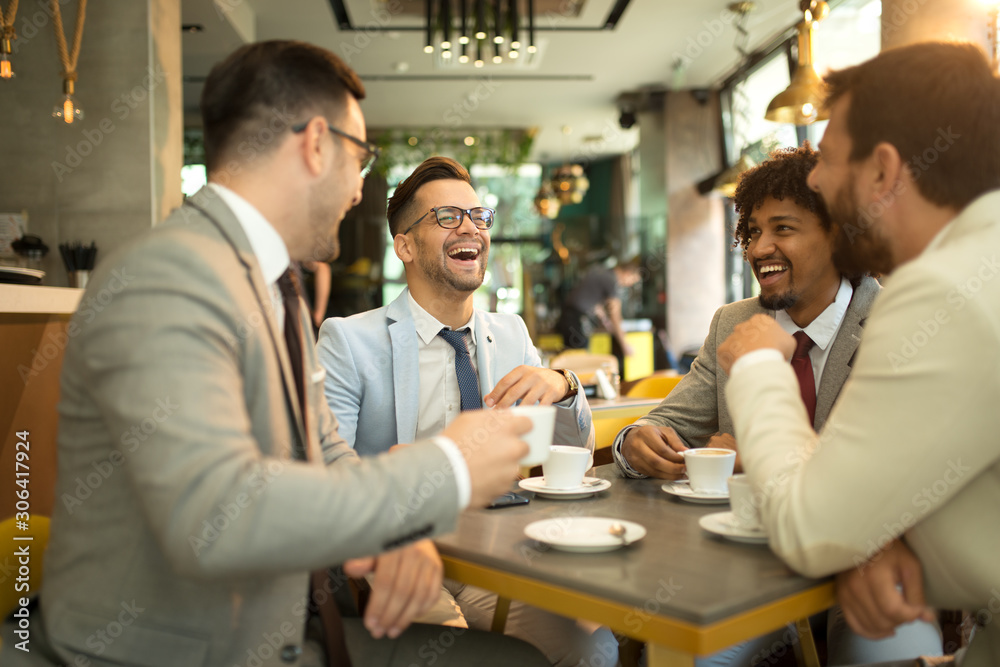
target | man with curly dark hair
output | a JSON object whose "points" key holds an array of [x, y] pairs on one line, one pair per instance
{"points": [[788, 240]]}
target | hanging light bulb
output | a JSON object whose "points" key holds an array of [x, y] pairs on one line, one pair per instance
{"points": [[6, 71], [68, 110]]}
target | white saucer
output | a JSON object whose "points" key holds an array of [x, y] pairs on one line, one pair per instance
{"points": [[721, 524], [682, 489], [588, 534], [537, 485]]}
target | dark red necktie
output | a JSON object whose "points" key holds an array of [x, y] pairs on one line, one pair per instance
{"points": [[803, 368]]}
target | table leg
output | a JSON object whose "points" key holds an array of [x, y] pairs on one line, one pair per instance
{"points": [[500, 614], [805, 648], [658, 655]]}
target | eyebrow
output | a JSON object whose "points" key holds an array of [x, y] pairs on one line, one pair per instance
{"points": [[777, 218]]}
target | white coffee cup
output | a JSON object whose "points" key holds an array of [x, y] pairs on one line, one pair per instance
{"points": [[708, 468], [539, 438], [565, 467], [746, 514]]}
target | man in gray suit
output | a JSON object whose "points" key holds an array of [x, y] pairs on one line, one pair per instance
{"points": [[222, 479], [787, 236]]}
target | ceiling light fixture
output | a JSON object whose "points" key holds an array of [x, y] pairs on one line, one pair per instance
{"points": [[6, 35], [801, 103], [495, 23]]}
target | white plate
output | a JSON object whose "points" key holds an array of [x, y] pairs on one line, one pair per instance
{"points": [[682, 489], [587, 534], [590, 486], [721, 523]]}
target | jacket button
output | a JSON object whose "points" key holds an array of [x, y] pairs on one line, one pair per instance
{"points": [[290, 653]]}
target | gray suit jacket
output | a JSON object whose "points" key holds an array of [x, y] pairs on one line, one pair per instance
{"points": [[697, 408], [184, 527], [376, 396]]}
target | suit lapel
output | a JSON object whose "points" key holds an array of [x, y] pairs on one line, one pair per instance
{"points": [[841, 358], [405, 366], [486, 355], [213, 208]]}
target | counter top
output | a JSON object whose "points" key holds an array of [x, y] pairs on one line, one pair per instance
{"points": [[39, 300]]}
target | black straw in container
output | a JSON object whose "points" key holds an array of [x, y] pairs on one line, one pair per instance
{"points": [[79, 261]]}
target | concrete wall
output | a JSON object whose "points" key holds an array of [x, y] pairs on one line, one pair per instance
{"points": [[696, 235], [116, 173]]}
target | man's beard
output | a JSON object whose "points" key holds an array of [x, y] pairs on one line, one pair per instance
{"points": [[778, 301], [436, 269], [325, 242], [858, 246]]}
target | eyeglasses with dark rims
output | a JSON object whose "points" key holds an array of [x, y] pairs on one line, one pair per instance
{"points": [[371, 150], [450, 217]]}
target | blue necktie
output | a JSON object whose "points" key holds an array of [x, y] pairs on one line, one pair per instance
{"points": [[468, 381]]}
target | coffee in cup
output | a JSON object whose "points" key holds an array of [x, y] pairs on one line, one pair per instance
{"points": [[708, 468], [565, 467], [539, 438]]}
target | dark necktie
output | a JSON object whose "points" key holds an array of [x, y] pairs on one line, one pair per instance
{"points": [[289, 287], [320, 597], [803, 368], [468, 381]]}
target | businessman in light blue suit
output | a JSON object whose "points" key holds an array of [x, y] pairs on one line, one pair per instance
{"points": [[397, 372]]}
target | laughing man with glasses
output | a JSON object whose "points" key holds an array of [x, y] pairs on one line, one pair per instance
{"points": [[411, 367]]}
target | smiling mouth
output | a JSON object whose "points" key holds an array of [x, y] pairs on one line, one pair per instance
{"points": [[771, 273], [464, 253]]}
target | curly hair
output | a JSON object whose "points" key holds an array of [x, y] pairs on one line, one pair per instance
{"points": [[782, 175]]}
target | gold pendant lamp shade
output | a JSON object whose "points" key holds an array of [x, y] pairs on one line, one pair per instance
{"points": [[802, 102]]}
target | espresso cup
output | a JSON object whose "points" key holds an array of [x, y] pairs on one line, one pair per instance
{"points": [[708, 468], [565, 467], [539, 438], [746, 514]]}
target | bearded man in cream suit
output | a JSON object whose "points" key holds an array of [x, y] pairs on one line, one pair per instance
{"points": [[915, 429], [398, 379], [196, 547]]}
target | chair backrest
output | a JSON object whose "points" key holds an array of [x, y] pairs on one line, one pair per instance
{"points": [[584, 364], [653, 386], [37, 528]]}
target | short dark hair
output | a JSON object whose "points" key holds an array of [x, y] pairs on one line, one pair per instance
{"points": [[401, 204], [938, 103], [783, 174], [262, 89]]}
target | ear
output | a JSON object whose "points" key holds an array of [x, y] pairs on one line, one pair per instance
{"points": [[403, 246], [313, 146], [888, 171]]}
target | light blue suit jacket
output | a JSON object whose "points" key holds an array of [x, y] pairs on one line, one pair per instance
{"points": [[373, 376]]}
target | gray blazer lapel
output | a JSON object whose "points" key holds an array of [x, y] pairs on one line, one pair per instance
{"points": [[839, 363], [405, 366], [213, 208], [486, 355]]}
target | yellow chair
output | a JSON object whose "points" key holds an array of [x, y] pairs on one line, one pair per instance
{"points": [[38, 530], [653, 386]]}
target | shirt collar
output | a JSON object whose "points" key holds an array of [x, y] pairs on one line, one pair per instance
{"points": [[427, 325], [823, 329], [267, 244]]}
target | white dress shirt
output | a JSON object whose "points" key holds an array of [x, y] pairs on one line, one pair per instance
{"points": [[822, 330], [272, 255], [440, 397]]}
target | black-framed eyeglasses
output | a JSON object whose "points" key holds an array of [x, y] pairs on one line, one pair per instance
{"points": [[371, 150], [450, 217]]}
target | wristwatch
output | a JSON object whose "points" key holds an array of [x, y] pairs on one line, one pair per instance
{"points": [[574, 386]]}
